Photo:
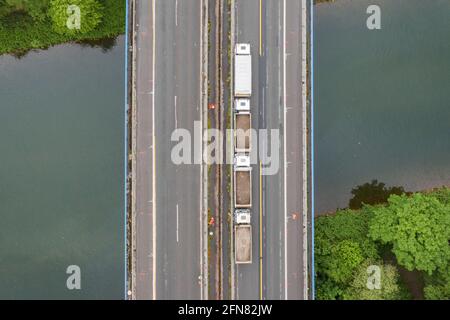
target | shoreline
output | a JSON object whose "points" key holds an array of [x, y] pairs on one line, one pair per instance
{"points": [[105, 43], [408, 193], [21, 34]]}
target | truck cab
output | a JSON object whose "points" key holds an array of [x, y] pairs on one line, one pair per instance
{"points": [[243, 49], [242, 105], [242, 216]]}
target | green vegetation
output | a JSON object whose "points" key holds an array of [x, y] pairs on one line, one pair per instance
{"points": [[437, 287], [408, 230], [39, 24], [418, 228], [390, 288], [90, 11]]}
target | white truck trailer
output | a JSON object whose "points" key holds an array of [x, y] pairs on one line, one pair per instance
{"points": [[242, 70]]}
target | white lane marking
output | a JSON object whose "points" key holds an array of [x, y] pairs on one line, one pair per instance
{"points": [[176, 13], [177, 224], [154, 154], [175, 104], [305, 155], [202, 219], [284, 151]]}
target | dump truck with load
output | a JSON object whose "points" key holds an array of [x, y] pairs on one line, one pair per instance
{"points": [[242, 236], [242, 126], [243, 243], [242, 182]]}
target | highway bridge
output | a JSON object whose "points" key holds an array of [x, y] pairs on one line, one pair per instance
{"points": [[168, 237]]}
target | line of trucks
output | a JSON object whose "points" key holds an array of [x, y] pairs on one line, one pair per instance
{"points": [[242, 170]]}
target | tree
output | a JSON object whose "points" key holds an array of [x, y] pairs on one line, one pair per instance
{"points": [[344, 258], [347, 229], [62, 12], [37, 9], [372, 193], [417, 227], [328, 289], [442, 194], [437, 292], [390, 288], [438, 285], [344, 225]]}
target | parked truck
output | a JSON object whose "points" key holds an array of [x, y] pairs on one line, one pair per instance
{"points": [[242, 126], [242, 70]]}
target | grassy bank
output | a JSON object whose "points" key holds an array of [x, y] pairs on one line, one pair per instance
{"points": [[20, 32]]}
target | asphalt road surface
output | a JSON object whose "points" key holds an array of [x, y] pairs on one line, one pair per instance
{"points": [[295, 122], [247, 31], [144, 151], [272, 27], [168, 196], [168, 66], [177, 105]]}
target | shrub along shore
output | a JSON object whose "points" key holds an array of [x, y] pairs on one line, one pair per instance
{"points": [[27, 24]]}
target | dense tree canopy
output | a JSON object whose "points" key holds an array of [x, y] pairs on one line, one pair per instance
{"points": [[341, 244], [390, 288], [33, 24], [438, 286], [345, 256], [327, 289], [344, 225], [437, 292], [37, 9], [415, 228], [418, 227]]}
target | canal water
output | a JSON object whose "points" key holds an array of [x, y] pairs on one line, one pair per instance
{"points": [[382, 97], [61, 172]]}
